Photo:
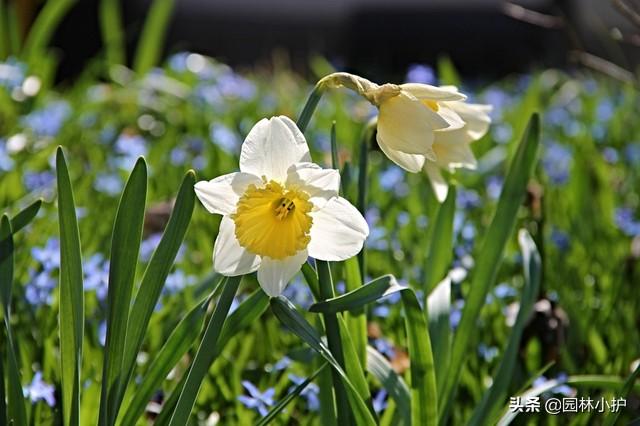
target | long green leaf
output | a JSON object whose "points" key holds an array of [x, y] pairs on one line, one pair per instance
{"points": [[206, 354], [612, 416], [178, 343], [356, 319], [25, 216], [352, 365], [500, 385], [291, 319], [441, 244], [424, 401], [151, 41], [282, 404], [71, 314], [16, 412], [3, 397], [112, 31], [438, 310], [492, 250], [356, 299], [125, 244], [156, 273], [395, 386], [44, 26]]}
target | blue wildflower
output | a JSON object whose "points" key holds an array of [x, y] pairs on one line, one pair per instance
{"points": [[488, 353], [224, 137], [560, 239], [178, 156], [148, 246], [423, 74], [632, 153], [504, 290], [259, 401], [47, 121], [391, 177], [456, 313], [556, 163], [39, 390], [108, 183], [310, 392], [39, 289], [610, 155], [49, 255], [502, 132], [494, 186], [6, 162], [96, 275], [298, 293], [282, 364], [12, 74], [38, 181], [129, 147], [626, 222], [233, 85], [384, 347], [467, 198], [177, 281], [380, 401]]}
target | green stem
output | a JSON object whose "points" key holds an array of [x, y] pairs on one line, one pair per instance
{"points": [[310, 106], [334, 341], [363, 172]]}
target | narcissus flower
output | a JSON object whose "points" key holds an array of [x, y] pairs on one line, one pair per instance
{"points": [[279, 209], [421, 127]]}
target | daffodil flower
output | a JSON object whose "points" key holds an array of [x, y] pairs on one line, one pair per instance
{"points": [[279, 209]]}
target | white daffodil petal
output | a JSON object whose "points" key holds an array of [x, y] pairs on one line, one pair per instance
{"points": [[229, 258], [476, 117], [454, 155], [452, 118], [274, 275], [338, 231], [410, 162], [406, 125], [271, 147], [427, 92], [220, 195], [439, 185], [320, 184]]}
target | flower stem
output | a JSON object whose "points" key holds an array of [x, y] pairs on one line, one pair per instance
{"points": [[333, 339], [363, 171], [310, 106]]}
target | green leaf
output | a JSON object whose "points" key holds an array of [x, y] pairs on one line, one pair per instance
{"points": [[71, 313], [439, 310], [440, 250], [291, 319], [206, 354], [178, 343], [25, 216], [311, 277], [244, 315], [395, 386], [356, 319], [500, 386], [44, 26], [612, 416], [3, 396], [352, 365], [492, 249], [277, 409], [156, 274], [356, 299], [424, 401], [15, 399], [125, 244], [153, 35], [110, 15]]}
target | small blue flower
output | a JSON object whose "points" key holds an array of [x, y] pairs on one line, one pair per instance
{"points": [[504, 290], [391, 177], [259, 401], [224, 138], [384, 347], [456, 313], [49, 255], [282, 364], [177, 281], [632, 153], [39, 289], [494, 186], [380, 401], [488, 353], [6, 162], [467, 199], [560, 239], [310, 392], [96, 275], [108, 183], [39, 390], [626, 222], [423, 74], [556, 163], [148, 246], [233, 85], [381, 311], [178, 156], [610, 155], [49, 120], [38, 181], [129, 147], [298, 293], [12, 73]]}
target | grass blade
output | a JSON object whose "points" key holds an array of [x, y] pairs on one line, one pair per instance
{"points": [[25, 216], [16, 412], [424, 401], [500, 385], [356, 299], [125, 243], [612, 416], [156, 273], [438, 311], [178, 343], [153, 34], [112, 32], [44, 26], [277, 409], [291, 319], [492, 249], [395, 386], [71, 314], [441, 244], [206, 354], [356, 319], [245, 315], [352, 365]]}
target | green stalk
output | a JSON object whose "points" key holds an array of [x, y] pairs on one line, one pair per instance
{"points": [[334, 341], [363, 172], [310, 106]]}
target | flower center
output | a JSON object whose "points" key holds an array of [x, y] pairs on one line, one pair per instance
{"points": [[273, 221], [431, 104]]}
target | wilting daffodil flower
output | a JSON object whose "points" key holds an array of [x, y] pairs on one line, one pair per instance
{"points": [[279, 209], [421, 126]]}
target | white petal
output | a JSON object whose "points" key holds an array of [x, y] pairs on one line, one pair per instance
{"points": [[271, 147], [476, 117], [452, 118], [338, 231], [274, 275], [406, 125], [439, 185], [410, 162], [220, 195], [428, 92], [320, 184], [229, 258], [451, 154]]}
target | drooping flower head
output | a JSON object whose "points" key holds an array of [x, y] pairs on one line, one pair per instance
{"points": [[422, 127], [279, 209]]}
